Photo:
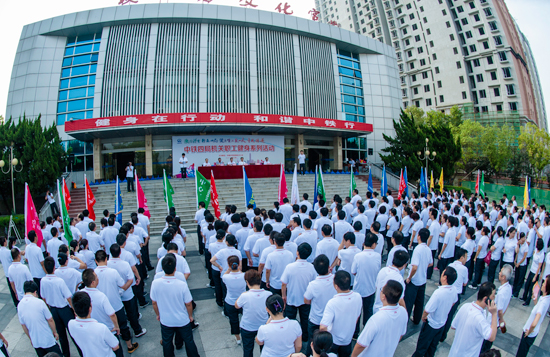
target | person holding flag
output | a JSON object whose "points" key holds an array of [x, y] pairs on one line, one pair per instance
{"points": [[202, 193], [64, 215]]}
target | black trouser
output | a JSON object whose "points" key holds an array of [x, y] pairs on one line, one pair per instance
{"points": [[183, 172], [145, 257], [37, 281], [292, 311], [233, 313], [130, 184], [311, 328], [54, 208], [139, 288], [244, 264], [479, 268], [248, 338], [275, 291], [389, 245], [428, 339], [207, 257], [303, 169], [524, 345], [41, 352], [13, 295], [413, 245], [368, 304], [199, 238], [61, 317], [431, 269], [406, 241], [486, 346], [493, 265], [442, 264], [4, 350], [216, 276], [341, 351], [528, 289], [123, 325], [184, 334], [519, 279], [470, 265], [450, 319], [133, 315], [414, 296]]}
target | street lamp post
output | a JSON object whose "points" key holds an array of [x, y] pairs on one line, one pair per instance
{"points": [[427, 154], [11, 169]]}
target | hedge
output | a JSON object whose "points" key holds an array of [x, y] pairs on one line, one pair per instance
{"points": [[467, 191], [19, 220]]}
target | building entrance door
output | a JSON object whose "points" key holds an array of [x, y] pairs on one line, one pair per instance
{"points": [[120, 161], [318, 157]]}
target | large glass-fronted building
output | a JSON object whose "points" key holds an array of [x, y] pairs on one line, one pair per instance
{"points": [[130, 83]]}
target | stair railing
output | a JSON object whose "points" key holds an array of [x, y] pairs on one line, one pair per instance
{"points": [[393, 179]]}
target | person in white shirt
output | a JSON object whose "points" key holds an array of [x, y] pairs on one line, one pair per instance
{"points": [[183, 161], [18, 274], [436, 313], [199, 216], [252, 302], [6, 260], [383, 218], [35, 259], [534, 272], [233, 279], [384, 330], [214, 248], [253, 260], [302, 162], [433, 240], [37, 321], [328, 245], [266, 162], [393, 272], [406, 224], [307, 236], [286, 211], [278, 226], [71, 276], [280, 336], [53, 245], [173, 305], [95, 241], [206, 163], [242, 162], [320, 222], [305, 201], [341, 314], [295, 280], [276, 263], [416, 281], [346, 254], [532, 325], [472, 326], [341, 227], [520, 264], [317, 294], [362, 218], [82, 225], [365, 268], [448, 249]]}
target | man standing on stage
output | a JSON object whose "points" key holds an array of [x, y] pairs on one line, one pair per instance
{"points": [[183, 166]]}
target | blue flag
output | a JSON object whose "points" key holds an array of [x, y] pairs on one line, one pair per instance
{"points": [[370, 186], [406, 192], [118, 202], [248, 194], [384, 186], [315, 193]]}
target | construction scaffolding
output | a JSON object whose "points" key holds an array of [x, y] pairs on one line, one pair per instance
{"points": [[513, 119]]}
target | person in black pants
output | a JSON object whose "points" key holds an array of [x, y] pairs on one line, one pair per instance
{"points": [[479, 258], [416, 282], [531, 329], [520, 264], [130, 177], [236, 285], [536, 266]]}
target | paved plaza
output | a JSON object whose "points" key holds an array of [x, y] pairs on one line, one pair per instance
{"points": [[213, 337]]}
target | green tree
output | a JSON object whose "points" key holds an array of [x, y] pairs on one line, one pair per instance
{"points": [[536, 143], [497, 145], [416, 113], [470, 134], [40, 152]]}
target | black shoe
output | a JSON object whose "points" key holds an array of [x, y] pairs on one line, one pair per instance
{"points": [[145, 293], [147, 303], [525, 303], [149, 268], [195, 325], [179, 347]]}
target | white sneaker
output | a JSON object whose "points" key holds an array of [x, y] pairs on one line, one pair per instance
{"points": [[140, 316], [223, 314], [238, 341]]}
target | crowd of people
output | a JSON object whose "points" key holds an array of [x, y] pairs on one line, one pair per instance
{"points": [[341, 278]]}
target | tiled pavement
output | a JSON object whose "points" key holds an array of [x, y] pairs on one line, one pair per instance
{"points": [[213, 337]]}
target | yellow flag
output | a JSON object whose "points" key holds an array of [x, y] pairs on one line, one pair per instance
{"points": [[526, 194], [432, 186], [441, 181]]}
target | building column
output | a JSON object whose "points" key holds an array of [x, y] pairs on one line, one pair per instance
{"points": [[149, 155], [337, 153], [150, 79], [98, 160], [203, 67], [299, 145]]}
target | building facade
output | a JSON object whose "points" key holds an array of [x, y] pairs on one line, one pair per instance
{"points": [[452, 52], [122, 83]]}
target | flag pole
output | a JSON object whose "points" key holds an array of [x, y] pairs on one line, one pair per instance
{"points": [[244, 188]]}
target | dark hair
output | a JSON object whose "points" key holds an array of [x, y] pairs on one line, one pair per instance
{"points": [[307, 222], [342, 279], [100, 256], [279, 239], [81, 303], [485, 290], [540, 244], [397, 237], [393, 291], [49, 265], [460, 252], [493, 352], [279, 217], [286, 233], [358, 226], [88, 277], [341, 215], [423, 235], [84, 243], [30, 286], [349, 236], [275, 304], [231, 240], [268, 228], [370, 239], [400, 258], [304, 250], [322, 342], [245, 222], [376, 226], [169, 263], [252, 277], [15, 253], [62, 258], [233, 262], [32, 236], [321, 264], [220, 234], [91, 226], [451, 275], [327, 230]]}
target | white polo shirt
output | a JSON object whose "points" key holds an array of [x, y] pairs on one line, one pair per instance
{"points": [[540, 308], [225, 253], [101, 307], [110, 284], [93, 338], [329, 247], [242, 236], [439, 305], [82, 226], [297, 277], [276, 263], [34, 257], [309, 237], [235, 284], [365, 267], [435, 229], [34, 314], [502, 299], [253, 304], [5, 259], [18, 274], [461, 276], [109, 238], [510, 246], [88, 257], [260, 245], [181, 265], [359, 239], [171, 295], [416, 227], [249, 245], [319, 223], [364, 222], [263, 259], [125, 271], [340, 316], [278, 337], [53, 249], [341, 227], [346, 257], [422, 257], [54, 290], [319, 291], [471, 330], [523, 250], [94, 241], [384, 275], [450, 240], [70, 276], [383, 332]]}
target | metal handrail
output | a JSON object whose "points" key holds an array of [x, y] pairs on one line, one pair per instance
{"points": [[394, 176]]}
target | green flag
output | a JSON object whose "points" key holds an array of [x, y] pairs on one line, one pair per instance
{"points": [[482, 185], [203, 189], [320, 186], [64, 214], [168, 192], [352, 184]]}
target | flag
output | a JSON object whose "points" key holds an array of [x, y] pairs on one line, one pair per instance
{"points": [[529, 190], [295, 195], [370, 187], [32, 222], [90, 199], [64, 214], [315, 194], [421, 185], [401, 186], [352, 183], [283, 190], [140, 197], [202, 189], [248, 194], [481, 185], [384, 185], [441, 184], [168, 191], [477, 183], [405, 178], [432, 186], [118, 202], [526, 193], [320, 187], [67, 194], [214, 195]]}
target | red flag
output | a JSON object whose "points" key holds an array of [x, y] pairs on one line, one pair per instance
{"points": [[141, 199], [283, 190], [402, 185], [90, 200], [67, 194], [214, 196], [477, 183], [32, 222]]}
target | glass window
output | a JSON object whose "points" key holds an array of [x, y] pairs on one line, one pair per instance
{"points": [[79, 81], [76, 115], [352, 143], [348, 99], [348, 90], [63, 95], [345, 71], [61, 119], [76, 105], [89, 114], [65, 73], [351, 117], [67, 62], [83, 49], [62, 107], [89, 103], [77, 93], [78, 71], [350, 108], [64, 84]]}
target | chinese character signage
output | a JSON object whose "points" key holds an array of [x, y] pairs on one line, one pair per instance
{"points": [[253, 148]]}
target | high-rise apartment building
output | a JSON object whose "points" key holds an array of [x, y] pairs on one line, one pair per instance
{"points": [[452, 52]]}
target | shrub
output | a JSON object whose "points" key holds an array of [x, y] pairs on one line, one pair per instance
{"points": [[19, 220]]}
